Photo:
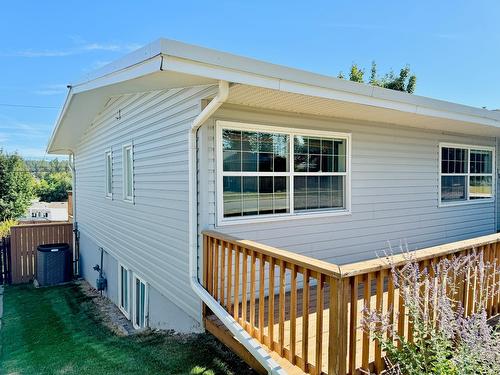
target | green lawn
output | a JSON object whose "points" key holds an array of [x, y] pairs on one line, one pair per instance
{"points": [[58, 331]]}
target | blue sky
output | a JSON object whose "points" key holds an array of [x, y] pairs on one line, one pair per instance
{"points": [[452, 46]]}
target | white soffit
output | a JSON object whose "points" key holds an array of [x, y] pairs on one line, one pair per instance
{"points": [[276, 100]]}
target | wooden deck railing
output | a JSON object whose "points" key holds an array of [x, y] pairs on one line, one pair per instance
{"points": [[309, 311]]}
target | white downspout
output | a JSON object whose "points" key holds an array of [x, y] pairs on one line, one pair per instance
{"points": [[239, 333], [73, 199]]}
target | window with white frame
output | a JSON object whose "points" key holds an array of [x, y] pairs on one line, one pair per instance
{"points": [[140, 303], [272, 171], [466, 173], [128, 172], [123, 289], [108, 159]]}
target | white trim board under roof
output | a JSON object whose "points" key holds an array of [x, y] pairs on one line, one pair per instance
{"points": [[166, 64]]}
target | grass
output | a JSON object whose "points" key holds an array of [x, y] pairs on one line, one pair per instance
{"points": [[58, 330]]}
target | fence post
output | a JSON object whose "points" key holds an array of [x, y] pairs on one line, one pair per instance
{"points": [[2, 260]]}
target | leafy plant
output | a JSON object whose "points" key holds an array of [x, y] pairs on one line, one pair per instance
{"points": [[445, 339], [54, 187], [16, 186], [405, 81], [5, 227]]}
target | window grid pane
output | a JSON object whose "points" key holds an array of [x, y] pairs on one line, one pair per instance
{"points": [[481, 187], [453, 188], [255, 195], [318, 192], [254, 151], [313, 154]]}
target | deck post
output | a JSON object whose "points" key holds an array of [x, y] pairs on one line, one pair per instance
{"points": [[337, 348]]}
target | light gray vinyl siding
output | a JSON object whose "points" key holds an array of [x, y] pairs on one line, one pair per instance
{"points": [[150, 235], [394, 198]]}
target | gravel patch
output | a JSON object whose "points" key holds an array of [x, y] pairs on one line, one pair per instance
{"points": [[112, 317]]}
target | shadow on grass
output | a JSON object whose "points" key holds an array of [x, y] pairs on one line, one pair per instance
{"points": [[58, 330]]}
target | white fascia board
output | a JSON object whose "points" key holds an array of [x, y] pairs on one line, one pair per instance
{"points": [[372, 96], [49, 148], [149, 66]]}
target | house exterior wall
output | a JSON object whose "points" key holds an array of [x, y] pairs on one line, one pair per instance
{"points": [[150, 235], [394, 185]]}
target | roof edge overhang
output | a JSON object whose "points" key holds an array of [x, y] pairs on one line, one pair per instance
{"points": [[179, 58]]}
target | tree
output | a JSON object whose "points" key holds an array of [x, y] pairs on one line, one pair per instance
{"points": [[42, 168], [54, 187], [356, 74], [405, 81], [16, 186]]}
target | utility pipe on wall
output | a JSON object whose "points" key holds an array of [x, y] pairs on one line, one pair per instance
{"points": [[239, 333]]}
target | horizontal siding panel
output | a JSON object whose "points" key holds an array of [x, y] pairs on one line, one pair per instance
{"points": [[150, 235]]}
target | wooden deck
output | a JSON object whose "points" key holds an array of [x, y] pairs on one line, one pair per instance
{"points": [[307, 313], [217, 328]]}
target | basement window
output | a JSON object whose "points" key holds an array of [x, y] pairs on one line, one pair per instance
{"points": [[466, 174], [123, 290], [271, 172], [140, 303]]}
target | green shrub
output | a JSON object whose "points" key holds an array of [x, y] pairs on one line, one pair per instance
{"points": [[5, 227], [445, 340]]}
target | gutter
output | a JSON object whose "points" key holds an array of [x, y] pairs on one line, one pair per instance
{"points": [[254, 347]]}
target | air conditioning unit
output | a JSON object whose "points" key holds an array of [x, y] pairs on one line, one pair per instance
{"points": [[53, 264]]}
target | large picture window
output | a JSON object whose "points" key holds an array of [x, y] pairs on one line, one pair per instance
{"points": [[280, 172], [466, 173]]}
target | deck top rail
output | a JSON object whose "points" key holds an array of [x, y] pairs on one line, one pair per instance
{"points": [[309, 311]]}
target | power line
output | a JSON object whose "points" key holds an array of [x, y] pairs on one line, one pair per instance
{"points": [[26, 106]]}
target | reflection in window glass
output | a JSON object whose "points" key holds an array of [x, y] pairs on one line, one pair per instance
{"points": [[254, 151], [480, 161], [318, 192], [453, 188], [255, 195], [481, 187], [319, 154]]}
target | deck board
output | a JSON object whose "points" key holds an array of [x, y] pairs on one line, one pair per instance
{"points": [[217, 328]]}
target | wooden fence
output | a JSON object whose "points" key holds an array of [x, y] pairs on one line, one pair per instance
{"points": [[309, 311], [5, 265], [24, 242]]}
